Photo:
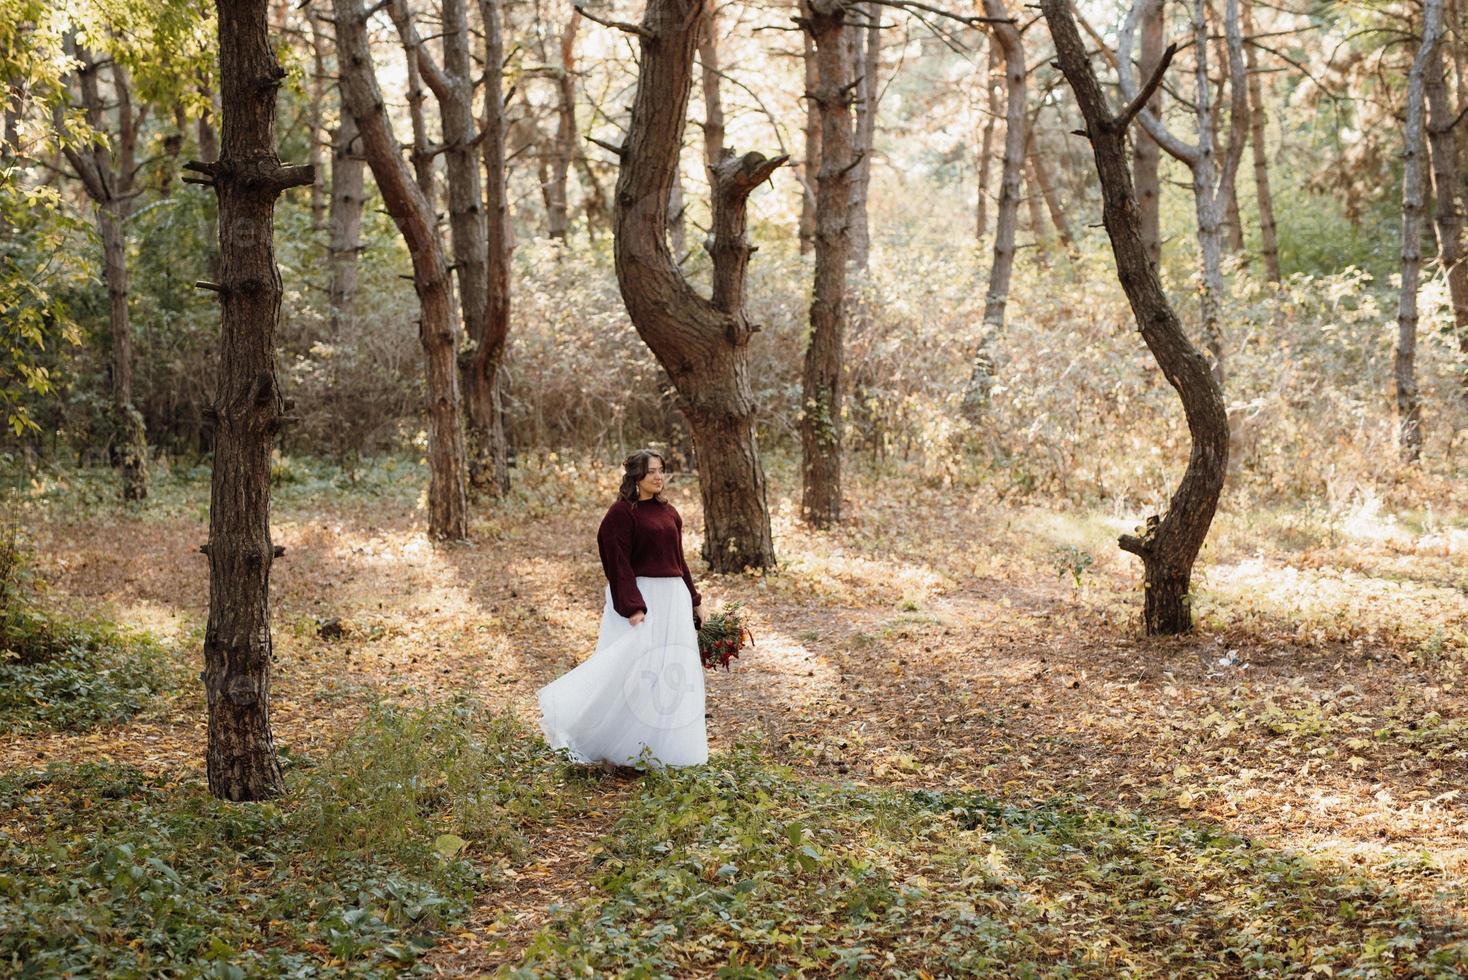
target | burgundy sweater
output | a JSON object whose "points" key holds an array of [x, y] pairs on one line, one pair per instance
{"points": [[643, 540]]}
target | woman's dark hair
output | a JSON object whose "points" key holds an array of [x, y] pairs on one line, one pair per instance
{"points": [[634, 469]]}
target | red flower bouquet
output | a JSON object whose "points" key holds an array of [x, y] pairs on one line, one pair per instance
{"points": [[721, 638]]}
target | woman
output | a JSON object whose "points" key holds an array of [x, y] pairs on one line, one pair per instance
{"points": [[638, 700]]}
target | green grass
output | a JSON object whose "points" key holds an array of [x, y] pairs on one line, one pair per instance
{"points": [[107, 871], [742, 869]]}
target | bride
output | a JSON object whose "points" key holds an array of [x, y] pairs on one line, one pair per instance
{"points": [[638, 700]]}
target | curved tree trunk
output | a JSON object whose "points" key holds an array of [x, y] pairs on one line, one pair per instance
{"points": [[1170, 543], [413, 214], [702, 344], [1409, 401], [247, 179], [820, 417], [981, 380]]}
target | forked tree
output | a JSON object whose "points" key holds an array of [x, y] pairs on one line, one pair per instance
{"points": [[1170, 543], [248, 409], [703, 344]]}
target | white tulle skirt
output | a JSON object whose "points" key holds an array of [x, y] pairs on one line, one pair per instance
{"points": [[638, 700]]}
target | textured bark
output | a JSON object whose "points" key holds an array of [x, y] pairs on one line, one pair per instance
{"points": [[981, 380], [107, 176], [485, 411], [1414, 164], [1448, 190], [348, 194], [413, 214], [702, 346], [1170, 543], [1268, 240], [248, 411], [557, 162], [1147, 157], [811, 164], [820, 419], [986, 141], [868, 37]]}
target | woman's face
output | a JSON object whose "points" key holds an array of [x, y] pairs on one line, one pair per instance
{"points": [[652, 483]]}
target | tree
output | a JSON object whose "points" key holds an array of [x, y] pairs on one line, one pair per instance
{"points": [[1409, 400], [1212, 184], [1170, 543], [1006, 35], [701, 343], [1147, 155], [1447, 191], [865, 38], [1268, 240], [248, 410], [107, 168], [489, 467], [413, 214], [820, 417]]}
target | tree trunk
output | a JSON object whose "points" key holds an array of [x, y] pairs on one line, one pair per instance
{"points": [[345, 221], [820, 420], [315, 121], [1446, 181], [1052, 202], [413, 214], [1409, 402], [867, 92], [248, 411], [1148, 155], [107, 177], [713, 102], [1170, 543], [702, 345], [485, 411], [563, 150], [452, 85], [811, 165], [208, 138], [981, 380], [986, 141], [1268, 243]]}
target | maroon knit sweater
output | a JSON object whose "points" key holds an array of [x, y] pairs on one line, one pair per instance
{"points": [[643, 540]]}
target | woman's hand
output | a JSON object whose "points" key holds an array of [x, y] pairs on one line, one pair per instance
{"points": [[636, 617], [698, 617]]}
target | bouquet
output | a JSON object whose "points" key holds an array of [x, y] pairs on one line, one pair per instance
{"points": [[721, 637]]}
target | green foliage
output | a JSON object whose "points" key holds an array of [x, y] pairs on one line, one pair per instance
{"points": [[743, 869], [61, 673], [113, 871]]}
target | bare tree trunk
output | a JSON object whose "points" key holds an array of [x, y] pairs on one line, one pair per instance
{"points": [[1268, 242], [208, 138], [348, 195], [413, 214], [486, 412], [107, 177], [1446, 181], [820, 421], [248, 411], [452, 85], [981, 380], [1148, 155], [1409, 402], [986, 142], [811, 165], [563, 149], [1041, 179], [713, 102], [1169, 545], [314, 121], [702, 344], [867, 92], [1211, 183]]}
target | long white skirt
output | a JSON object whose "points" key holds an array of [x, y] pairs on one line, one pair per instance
{"points": [[638, 700]]}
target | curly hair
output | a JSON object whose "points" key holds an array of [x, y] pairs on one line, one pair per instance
{"points": [[634, 469]]}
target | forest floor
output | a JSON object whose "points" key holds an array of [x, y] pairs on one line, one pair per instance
{"points": [[942, 639]]}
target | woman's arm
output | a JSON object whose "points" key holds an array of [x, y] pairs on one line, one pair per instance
{"points": [[614, 542], [688, 575]]}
